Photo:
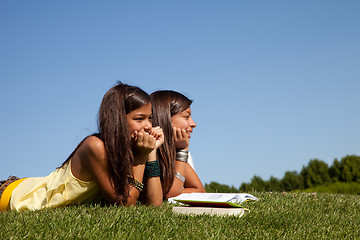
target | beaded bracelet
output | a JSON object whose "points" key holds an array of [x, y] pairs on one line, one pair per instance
{"points": [[180, 177], [136, 184], [182, 156], [152, 169]]}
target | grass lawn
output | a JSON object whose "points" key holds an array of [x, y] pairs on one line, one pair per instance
{"points": [[274, 216]]}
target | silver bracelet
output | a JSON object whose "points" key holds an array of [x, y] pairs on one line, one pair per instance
{"points": [[182, 156], [180, 177]]}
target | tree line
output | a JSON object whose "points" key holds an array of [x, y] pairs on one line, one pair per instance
{"points": [[341, 177]]}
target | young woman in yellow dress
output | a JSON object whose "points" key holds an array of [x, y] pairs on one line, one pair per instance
{"points": [[114, 163]]}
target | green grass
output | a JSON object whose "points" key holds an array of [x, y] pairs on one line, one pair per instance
{"points": [[274, 216], [337, 187]]}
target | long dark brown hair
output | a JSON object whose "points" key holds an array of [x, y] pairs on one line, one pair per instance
{"points": [[165, 104], [113, 131]]}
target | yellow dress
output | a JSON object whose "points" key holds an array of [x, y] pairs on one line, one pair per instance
{"points": [[60, 188]]}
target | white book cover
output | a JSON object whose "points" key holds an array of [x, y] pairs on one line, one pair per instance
{"points": [[213, 199], [239, 212]]}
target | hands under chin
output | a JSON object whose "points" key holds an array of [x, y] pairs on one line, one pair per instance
{"points": [[144, 143], [181, 138], [158, 134]]}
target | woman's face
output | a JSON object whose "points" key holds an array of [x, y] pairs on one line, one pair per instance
{"points": [[184, 120], [139, 120]]}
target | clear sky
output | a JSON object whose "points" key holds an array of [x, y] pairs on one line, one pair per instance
{"points": [[274, 83]]}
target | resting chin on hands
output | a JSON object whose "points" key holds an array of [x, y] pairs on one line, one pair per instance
{"points": [[152, 193], [143, 144], [181, 138], [158, 134]]}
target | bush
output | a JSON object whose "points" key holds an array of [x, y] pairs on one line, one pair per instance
{"points": [[221, 188], [338, 187]]}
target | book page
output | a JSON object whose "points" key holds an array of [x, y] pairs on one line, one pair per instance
{"points": [[215, 197]]}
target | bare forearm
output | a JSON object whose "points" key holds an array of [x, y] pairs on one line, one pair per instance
{"points": [[138, 174], [191, 190], [153, 194], [178, 186], [192, 183]]}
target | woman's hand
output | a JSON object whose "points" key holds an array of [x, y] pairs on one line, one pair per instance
{"points": [[144, 143], [152, 193], [158, 134], [181, 138]]}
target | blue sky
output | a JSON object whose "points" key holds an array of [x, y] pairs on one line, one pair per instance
{"points": [[274, 83]]}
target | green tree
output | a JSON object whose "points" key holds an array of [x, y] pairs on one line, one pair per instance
{"points": [[274, 185], [350, 169], [335, 171], [291, 181], [221, 188], [258, 184], [315, 173], [246, 187]]}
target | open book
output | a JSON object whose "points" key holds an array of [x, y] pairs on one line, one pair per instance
{"points": [[221, 200]]}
